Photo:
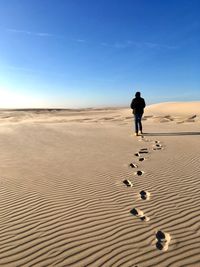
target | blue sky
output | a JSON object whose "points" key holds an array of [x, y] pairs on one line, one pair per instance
{"points": [[95, 53]]}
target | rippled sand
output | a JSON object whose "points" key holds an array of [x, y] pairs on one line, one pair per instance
{"points": [[64, 199]]}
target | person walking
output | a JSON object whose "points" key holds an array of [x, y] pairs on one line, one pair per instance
{"points": [[138, 105]]}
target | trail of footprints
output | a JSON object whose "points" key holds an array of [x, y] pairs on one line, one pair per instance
{"points": [[162, 239]]}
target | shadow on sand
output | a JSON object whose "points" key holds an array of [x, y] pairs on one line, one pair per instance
{"points": [[172, 134]]}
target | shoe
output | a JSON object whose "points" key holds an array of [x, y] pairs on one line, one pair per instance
{"points": [[140, 132], [136, 134]]}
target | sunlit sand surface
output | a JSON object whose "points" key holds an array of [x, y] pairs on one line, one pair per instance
{"points": [[63, 197]]}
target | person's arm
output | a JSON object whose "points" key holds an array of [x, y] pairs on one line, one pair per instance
{"points": [[132, 106], [144, 103]]}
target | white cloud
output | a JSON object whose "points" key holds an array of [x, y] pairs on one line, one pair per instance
{"points": [[39, 34], [42, 34], [149, 45]]}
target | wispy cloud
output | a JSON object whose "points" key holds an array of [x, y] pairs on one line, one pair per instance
{"points": [[80, 40], [39, 34], [43, 34], [116, 45], [160, 46], [129, 44]]}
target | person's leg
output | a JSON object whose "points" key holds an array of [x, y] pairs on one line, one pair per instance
{"points": [[136, 123], [140, 122]]}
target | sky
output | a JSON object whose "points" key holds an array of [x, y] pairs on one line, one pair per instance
{"points": [[97, 53]]}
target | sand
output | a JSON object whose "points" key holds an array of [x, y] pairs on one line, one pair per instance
{"points": [[63, 200]]}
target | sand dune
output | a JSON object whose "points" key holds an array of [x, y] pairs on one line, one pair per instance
{"points": [[173, 109], [64, 201]]}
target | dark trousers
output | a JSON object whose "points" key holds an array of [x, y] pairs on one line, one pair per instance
{"points": [[138, 122]]}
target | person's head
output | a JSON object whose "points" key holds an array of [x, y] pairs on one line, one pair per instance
{"points": [[137, 94]]}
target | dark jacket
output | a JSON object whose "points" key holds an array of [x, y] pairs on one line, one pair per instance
{"points": [[138, 105]]}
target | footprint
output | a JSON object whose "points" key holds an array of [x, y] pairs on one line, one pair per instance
{"points": [[137, 212], [143, 152], [144, 195], [141, 138], [145, 218], [139, 173], [133, 165], [138, 154], [158, 145], [140, 214], [128, 183], [163, 240], [157, 148], [162, 246], [141, 159], [144, 139], [163, 237]]}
